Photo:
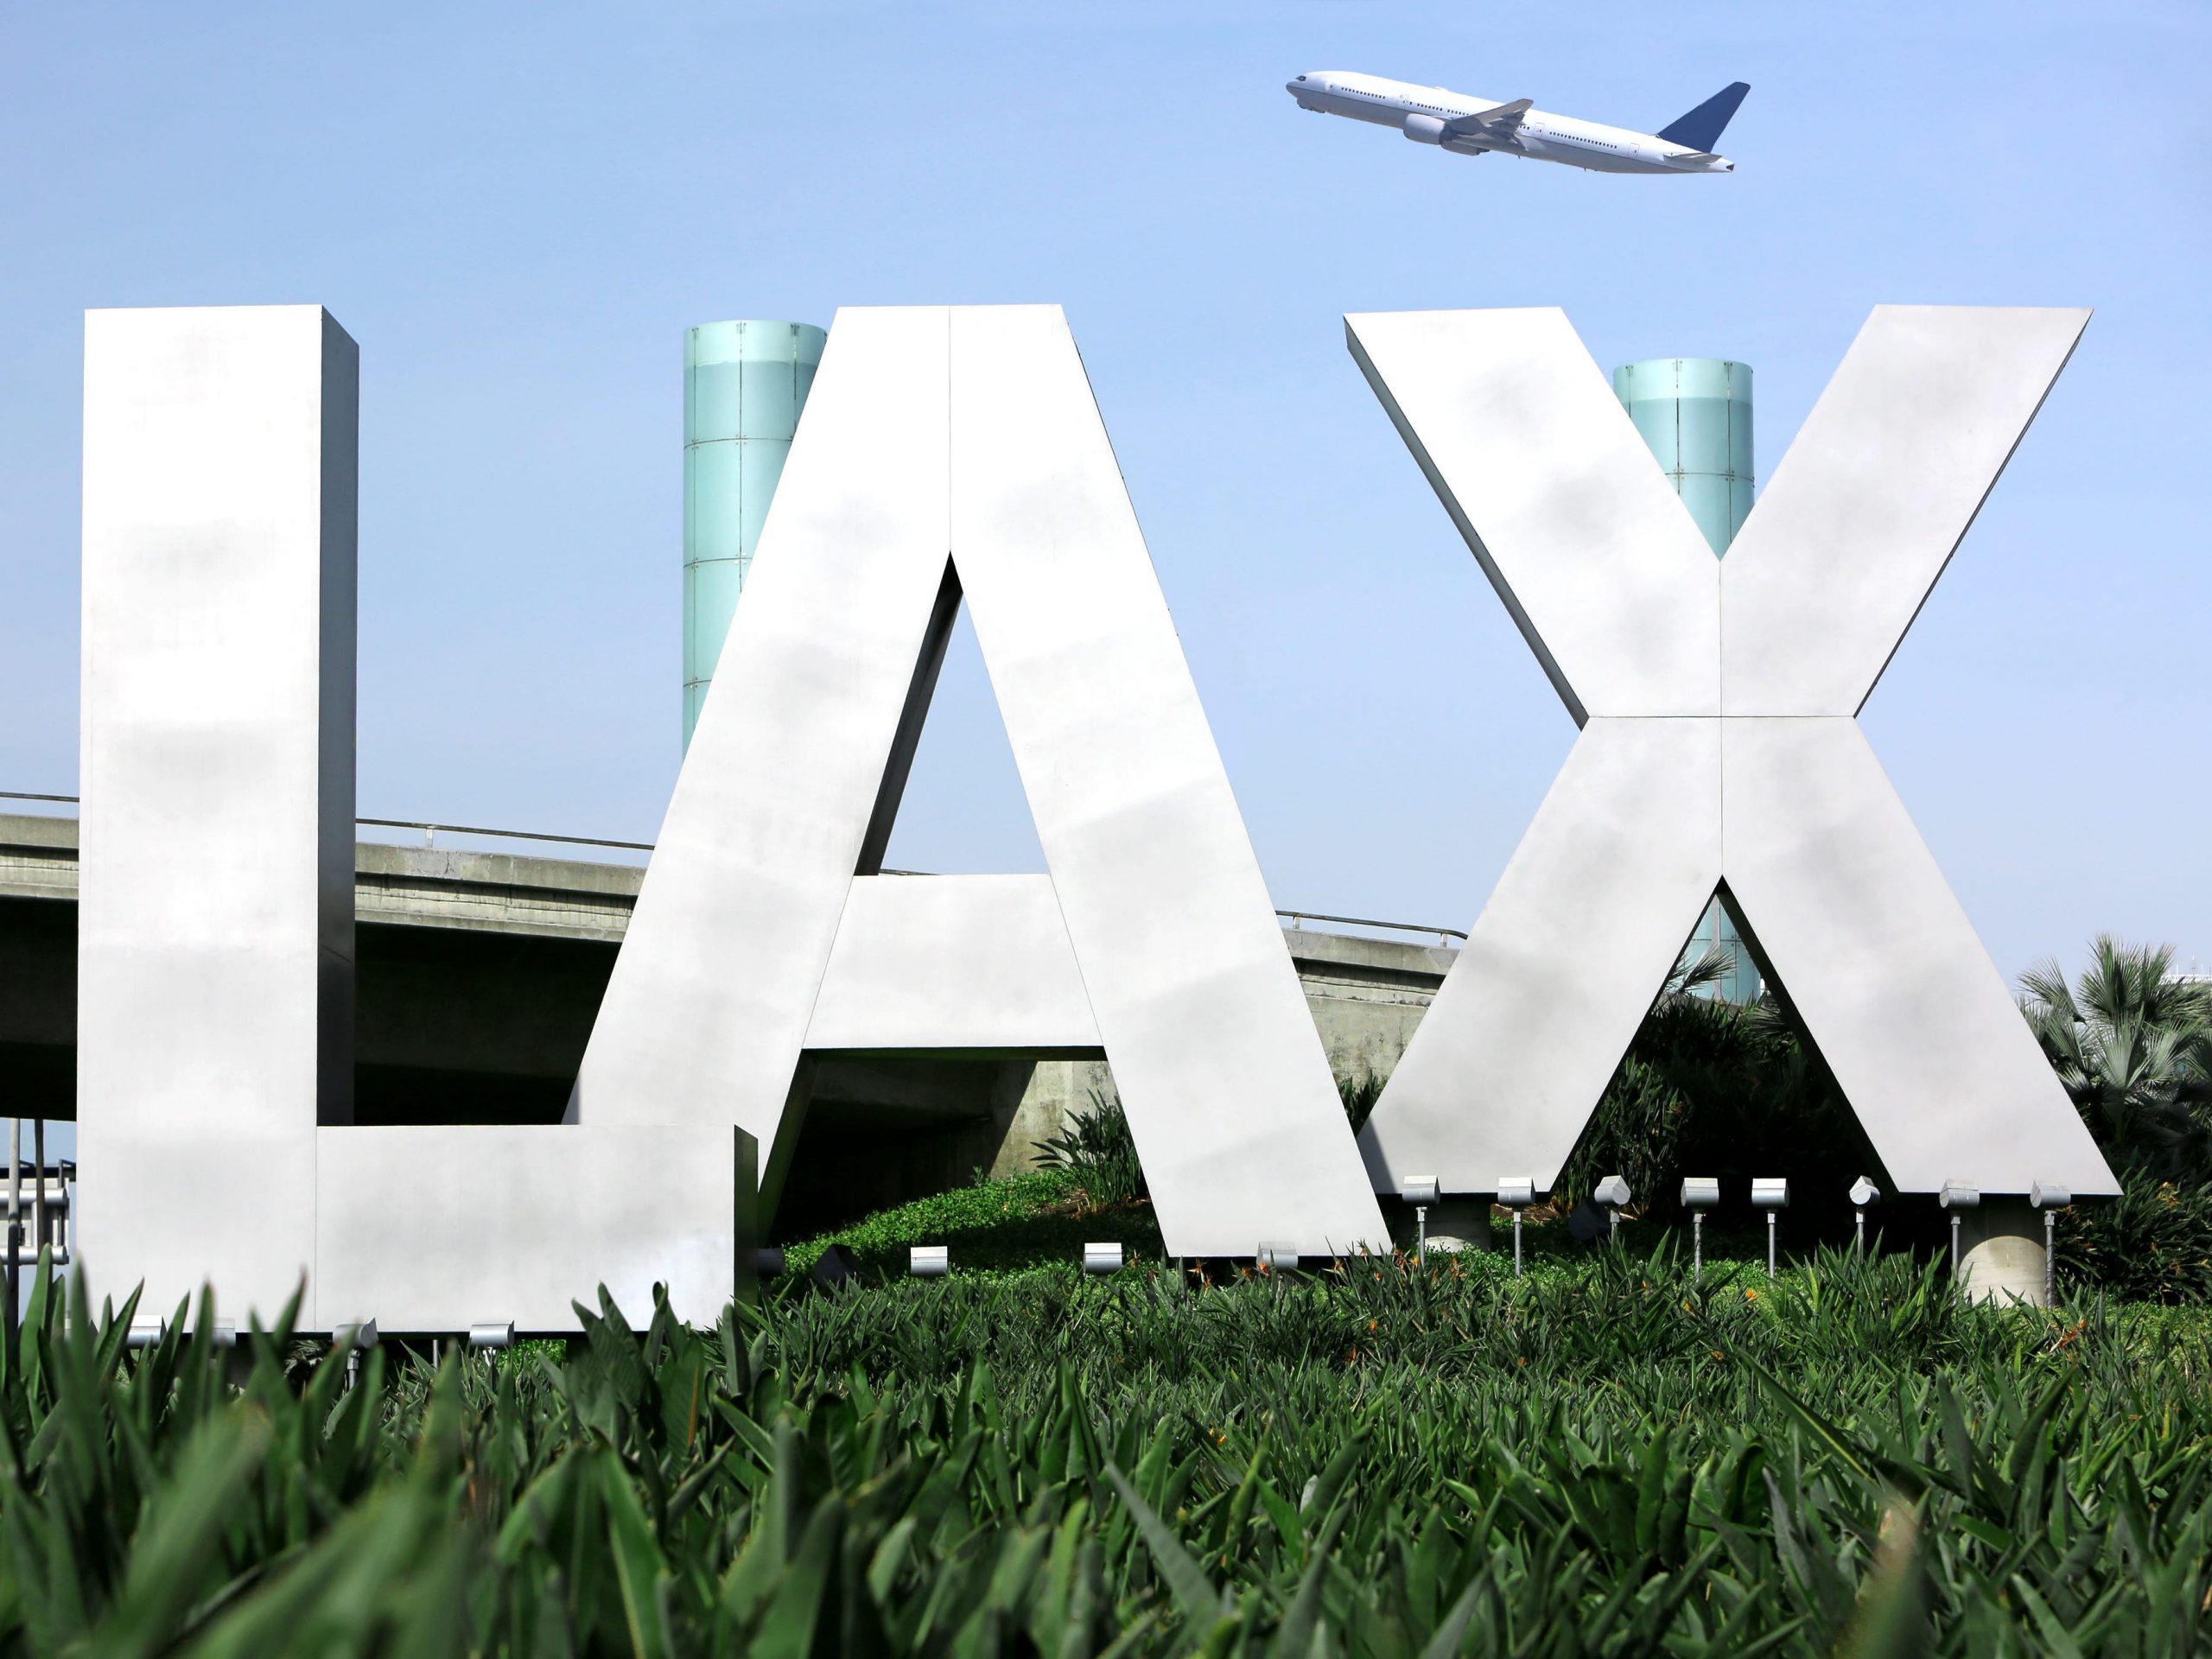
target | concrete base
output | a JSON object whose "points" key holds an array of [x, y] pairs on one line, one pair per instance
{"points": [[1460, 1224], [2001, 1253]]}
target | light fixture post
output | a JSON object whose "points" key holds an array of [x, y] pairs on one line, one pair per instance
{"points": [[1516, 1192], [1421, 1191], [1863, 1193], [1772, 1194], [2051, 1200], [1612, 1192], [1699, 1194], [1958, 1198]]}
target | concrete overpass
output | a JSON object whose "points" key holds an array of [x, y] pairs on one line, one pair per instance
{"points": [[479, 975]]}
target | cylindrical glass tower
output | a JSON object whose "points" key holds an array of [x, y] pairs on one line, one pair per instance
{"points": [[1695, 414], [744, 385]]}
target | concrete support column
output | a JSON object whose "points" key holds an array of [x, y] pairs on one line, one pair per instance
{"points": [[1460, 1224], [2001, 1252]]}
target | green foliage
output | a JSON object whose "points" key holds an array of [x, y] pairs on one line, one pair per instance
{"points": [[1099, 1149], [2154, 1245], [1008, 1225], [1709, 1088], [2132, 1044], [1381, 1460]]}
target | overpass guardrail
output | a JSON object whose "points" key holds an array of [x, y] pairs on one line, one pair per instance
{"points": [[430, 831]]}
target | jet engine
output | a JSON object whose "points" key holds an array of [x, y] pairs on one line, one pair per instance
{"points": [[1424, 128]]}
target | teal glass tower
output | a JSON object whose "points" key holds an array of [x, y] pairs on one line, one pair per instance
{"points": [[1695, 413], [745, 384]]}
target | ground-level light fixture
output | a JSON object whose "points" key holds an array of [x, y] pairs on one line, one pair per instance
{"points": [[1277, 1258], [1420, 1190], [1772, 1194], [2051, 1200], [929, 1261], [768, 1262], [147, 1333], [1516, 1193], [1863, 1193], [497, 1334], [1612, 1192], [1101, 1259], [1699, 1194], [1957, 1196], [355, 1336]]}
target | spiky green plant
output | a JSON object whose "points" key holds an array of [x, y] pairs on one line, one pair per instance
{"points": [[1378, 1459]]}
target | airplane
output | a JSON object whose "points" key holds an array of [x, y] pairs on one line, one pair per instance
{"points": [[1476, 126]]}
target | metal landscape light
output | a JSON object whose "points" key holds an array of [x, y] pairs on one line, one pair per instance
{"points": [[1277, 1258], [929, 1261], [1957, 1195], [355, 1338], [1419, 1190], [1612, 1192], [223, 1334], [1772, 1194], [1516, 1193], [1699, 1194], [768, 1262], [1863, 1193], [499, 1334], [1101, 1259], [147, 1333], [2051, 1200]]}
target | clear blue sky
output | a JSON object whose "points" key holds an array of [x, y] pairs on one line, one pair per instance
{"points": [[517, 210]]}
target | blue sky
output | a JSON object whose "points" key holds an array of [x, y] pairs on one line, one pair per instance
{"points": [[516, 211]]}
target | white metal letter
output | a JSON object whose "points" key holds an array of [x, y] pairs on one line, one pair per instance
{"points": [[1718, 745]]}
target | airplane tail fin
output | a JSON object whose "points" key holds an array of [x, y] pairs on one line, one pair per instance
{"points": [[1701, 128]]}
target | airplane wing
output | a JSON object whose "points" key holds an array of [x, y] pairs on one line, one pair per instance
{"points": [[1499, 125]]}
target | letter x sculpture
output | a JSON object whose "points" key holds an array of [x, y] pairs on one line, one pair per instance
{"points": [[1719, 748]]}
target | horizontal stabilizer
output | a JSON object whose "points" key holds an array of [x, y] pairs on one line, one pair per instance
{"points": [[1702, 127]]}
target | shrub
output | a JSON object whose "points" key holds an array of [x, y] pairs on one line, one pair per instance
{"points": [[1099, 1149], [2154, 1244]]}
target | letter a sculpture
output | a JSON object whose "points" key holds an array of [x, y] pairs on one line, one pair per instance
{"points": [[949, 452], [1720, 747]]}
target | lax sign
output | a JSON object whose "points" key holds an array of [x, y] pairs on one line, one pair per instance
{"points": [[952, 456]]}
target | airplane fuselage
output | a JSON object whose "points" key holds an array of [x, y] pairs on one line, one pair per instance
{"points": [[1421, 113]]}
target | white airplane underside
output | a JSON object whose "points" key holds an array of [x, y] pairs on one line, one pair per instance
{"points": [[1475, 126]]}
